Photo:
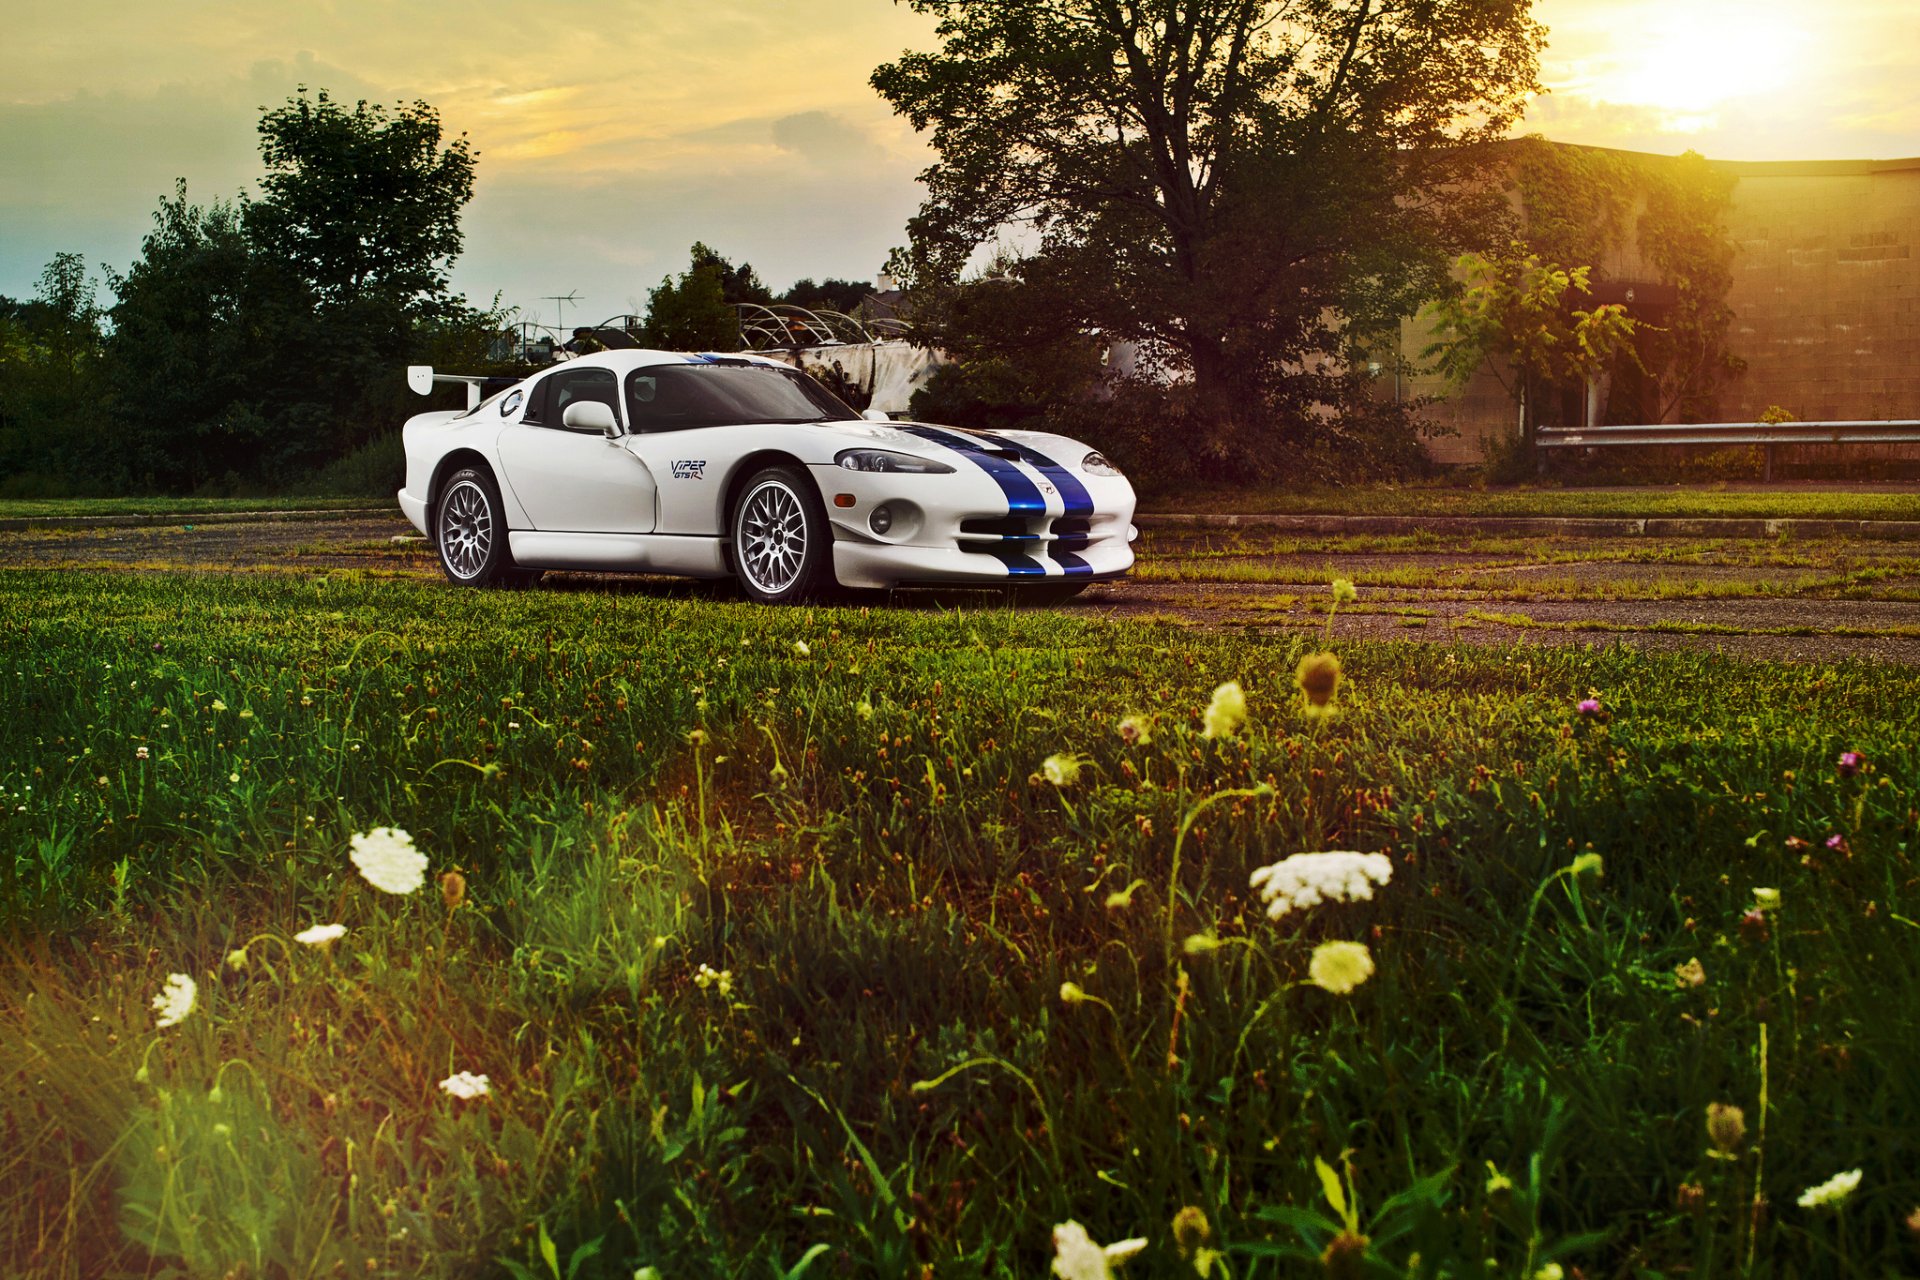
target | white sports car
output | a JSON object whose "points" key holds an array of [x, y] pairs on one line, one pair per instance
{"points": [[714, 466]]}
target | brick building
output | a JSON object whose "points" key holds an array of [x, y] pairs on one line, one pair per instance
{"points": [[1825, 298]]}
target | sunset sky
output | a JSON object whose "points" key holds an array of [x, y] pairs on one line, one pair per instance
{"points": [[612, 135]]}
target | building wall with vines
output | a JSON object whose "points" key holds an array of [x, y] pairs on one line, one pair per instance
{"points": [[1756, 284]]}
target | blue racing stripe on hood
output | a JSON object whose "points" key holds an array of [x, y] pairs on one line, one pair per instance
{"points": [[1079, 502], [1023, 496]]}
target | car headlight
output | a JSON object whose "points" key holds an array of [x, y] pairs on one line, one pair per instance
{"points": [[1096, 464], [884, 460]]}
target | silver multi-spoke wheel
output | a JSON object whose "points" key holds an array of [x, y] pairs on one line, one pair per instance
{"points": [[466, 530], [781, 547], [773, 537]]}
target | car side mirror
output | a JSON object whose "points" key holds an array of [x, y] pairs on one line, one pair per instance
{"points": [[876, 415], [591, 415]]}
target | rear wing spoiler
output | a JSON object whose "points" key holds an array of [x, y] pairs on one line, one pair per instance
{"points": [[421, 377]]}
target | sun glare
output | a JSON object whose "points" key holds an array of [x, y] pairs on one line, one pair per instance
{"points": [[1689, 59]]}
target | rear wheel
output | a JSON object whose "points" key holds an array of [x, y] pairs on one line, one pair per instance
{"points": [[470, 532], [782, 549]]}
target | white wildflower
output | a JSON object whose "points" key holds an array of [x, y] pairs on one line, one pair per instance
{"points": [[388, 860], [466, 1086], [1832, 1193], [321, 934], [1061, 770], [1308, 879], [139, 753], [720, 980], [1226, 713], [175, 1001], [800, 649], [1076, 1256]]}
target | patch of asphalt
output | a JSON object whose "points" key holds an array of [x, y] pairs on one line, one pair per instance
{"points": [[132, 520], [1546, 526], [1744, 626]]}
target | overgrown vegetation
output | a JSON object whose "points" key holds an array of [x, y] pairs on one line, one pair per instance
{"points": [[880, 944], [1247, 197], [251, 342]]}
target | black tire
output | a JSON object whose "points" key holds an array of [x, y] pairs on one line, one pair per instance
{"points": [[470, 532], [782, 545]]}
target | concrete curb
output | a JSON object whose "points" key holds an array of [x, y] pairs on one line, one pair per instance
{"points": [[1548, 526], [18, 524]]}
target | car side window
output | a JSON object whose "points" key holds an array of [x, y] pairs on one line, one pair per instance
{"points": [[569, 386], [654, 403]]}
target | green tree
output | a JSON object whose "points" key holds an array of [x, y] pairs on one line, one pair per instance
{"points": [[254, 341], [196, 355], [49, 356], [692, 313], [828, 295], [361, 203], [1514, 314], [1245, 188], [737, 284]]}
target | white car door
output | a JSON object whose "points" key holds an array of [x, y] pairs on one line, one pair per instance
{"points": [[576, 481], [690, 459]]}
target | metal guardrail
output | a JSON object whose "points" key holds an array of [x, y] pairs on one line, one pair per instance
{"points": [[1767, 434]]}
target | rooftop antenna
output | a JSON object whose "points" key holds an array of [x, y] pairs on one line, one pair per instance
{"points": [[560, 302]]}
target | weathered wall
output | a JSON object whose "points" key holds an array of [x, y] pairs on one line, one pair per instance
{"points": [[1825, 295], [1826, 290]]}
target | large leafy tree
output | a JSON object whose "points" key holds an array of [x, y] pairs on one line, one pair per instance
{"points": [[49, 350], [1244, 187], [694, 312], [255, 340], [361, 203]]}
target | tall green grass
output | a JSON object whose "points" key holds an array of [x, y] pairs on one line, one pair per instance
{"points": [[847, 814]]}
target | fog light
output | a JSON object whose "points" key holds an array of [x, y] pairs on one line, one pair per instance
{"points": [[881, 520]]}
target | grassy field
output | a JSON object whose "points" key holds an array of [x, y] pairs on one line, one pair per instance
{"points": [[835, 942]]}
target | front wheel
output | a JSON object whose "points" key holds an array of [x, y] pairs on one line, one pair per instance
{"points": [[782, 548], [470, 532]]}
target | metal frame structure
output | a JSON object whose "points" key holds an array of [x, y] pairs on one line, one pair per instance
{"points": [[1767, 434], [781, 326]]}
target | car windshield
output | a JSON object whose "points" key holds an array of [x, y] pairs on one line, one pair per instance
{"points": [[676, 396]]}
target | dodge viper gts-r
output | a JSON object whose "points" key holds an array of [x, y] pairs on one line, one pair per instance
{"points": [[714, 466]]}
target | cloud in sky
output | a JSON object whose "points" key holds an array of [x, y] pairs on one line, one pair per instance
{"points": [[613, 136], [609, 140]]}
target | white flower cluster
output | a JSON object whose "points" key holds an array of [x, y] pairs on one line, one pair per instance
{"points": [[719, 979], [321, 934], [175, 1002], [466, 1086], [388, 860], [1308, 879], [1225, 713], [1832, 1193], [1077, 1256]]}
